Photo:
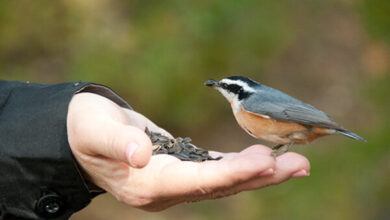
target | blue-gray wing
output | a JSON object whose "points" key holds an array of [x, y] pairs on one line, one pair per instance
{"points": [[280, 106]]}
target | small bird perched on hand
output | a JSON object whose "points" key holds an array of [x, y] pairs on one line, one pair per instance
{"points": [[271, 115]]}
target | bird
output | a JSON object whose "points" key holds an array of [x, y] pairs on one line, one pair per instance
{"points": [[268, 114]]}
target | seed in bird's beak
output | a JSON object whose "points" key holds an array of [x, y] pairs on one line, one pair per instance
{"points": [[211, 83]]}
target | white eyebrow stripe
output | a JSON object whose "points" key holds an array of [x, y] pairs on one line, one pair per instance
{"points": [[244, 85]]}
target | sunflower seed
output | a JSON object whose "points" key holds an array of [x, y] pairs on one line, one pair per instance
{"points": [[180, 148]]}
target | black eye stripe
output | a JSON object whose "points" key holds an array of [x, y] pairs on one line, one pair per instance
{"points": [[234, 88]]}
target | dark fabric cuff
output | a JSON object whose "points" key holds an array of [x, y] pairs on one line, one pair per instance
{"points": [[105, 92]]}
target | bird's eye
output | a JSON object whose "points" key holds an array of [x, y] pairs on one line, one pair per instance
{"points": [[224, 85]]}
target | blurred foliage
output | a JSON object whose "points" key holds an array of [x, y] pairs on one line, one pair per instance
{"points": [[377, 18], [156, 54]]}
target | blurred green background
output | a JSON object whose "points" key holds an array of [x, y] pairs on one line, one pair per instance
{"points": [[333, 54]]}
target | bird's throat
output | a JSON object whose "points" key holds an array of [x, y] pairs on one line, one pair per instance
{"points": [[236, 105]]}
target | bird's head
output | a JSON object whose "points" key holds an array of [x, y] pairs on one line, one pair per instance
{"points": [[234, 88]]}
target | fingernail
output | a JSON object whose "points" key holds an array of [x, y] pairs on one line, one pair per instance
{"points": [[130, 151], [299, 174], [268, 172]]}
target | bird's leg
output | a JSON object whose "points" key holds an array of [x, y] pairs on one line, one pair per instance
{"points": [[277, 146], [281, 149]]}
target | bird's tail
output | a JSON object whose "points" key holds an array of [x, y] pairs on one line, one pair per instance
{"points": [[350, 134]]}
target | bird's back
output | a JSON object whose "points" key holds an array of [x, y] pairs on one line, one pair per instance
{"points": [[280, 106]]}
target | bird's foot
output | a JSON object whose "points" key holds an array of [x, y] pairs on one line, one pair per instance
{"points": [[277, 146], [279, 150]]}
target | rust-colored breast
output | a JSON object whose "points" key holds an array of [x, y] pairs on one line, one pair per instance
{"points": [[275, 131]]}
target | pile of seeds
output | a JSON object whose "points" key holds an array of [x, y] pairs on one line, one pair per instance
{"points": [[179, 147]]}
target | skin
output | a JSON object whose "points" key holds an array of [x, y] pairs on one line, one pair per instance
{"points": [[114, 153]]}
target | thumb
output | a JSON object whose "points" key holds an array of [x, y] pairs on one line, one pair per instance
{"points": [[123, 142]]}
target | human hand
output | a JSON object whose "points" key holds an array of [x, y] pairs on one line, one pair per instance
{"points": [[111, 147]]}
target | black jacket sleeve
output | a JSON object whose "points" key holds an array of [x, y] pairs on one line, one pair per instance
{"points": [[39, 178]]}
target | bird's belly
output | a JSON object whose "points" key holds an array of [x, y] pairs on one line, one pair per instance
{"points": [[275, 131]]}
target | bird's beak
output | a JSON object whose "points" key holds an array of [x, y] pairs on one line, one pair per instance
{"points": [[212, 83]]}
